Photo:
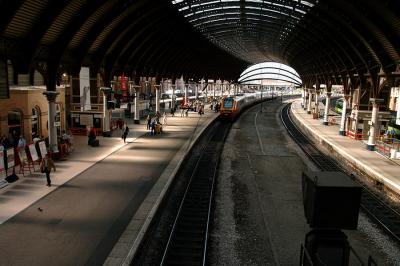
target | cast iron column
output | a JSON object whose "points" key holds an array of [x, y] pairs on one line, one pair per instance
{"points": [[106, 113], [158, 88], [342, 129], [327, 107], [309, 101], [373, 124]]}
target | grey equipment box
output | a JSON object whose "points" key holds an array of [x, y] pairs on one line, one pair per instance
{"points": [[331, 200]]}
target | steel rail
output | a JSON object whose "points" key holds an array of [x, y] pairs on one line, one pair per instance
{"points": [[187, 242]]}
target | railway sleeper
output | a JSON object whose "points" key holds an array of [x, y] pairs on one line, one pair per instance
{"points": [[196, 205], [178, 261], [189, 240], [193, 215]]}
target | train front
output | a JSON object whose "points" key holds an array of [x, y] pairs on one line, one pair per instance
{"points": [[227, 109]]}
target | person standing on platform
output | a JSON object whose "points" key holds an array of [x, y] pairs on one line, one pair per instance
{"points": [[45, 167], [21, 142], [126, 131], [148, 119]]}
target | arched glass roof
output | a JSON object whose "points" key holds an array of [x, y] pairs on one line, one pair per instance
{"points": [[255, 74]]}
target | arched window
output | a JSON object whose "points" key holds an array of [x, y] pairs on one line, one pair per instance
{"points": [[15, 123], [35, 122]]}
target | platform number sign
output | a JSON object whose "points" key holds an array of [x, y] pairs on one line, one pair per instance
{"points": [[4, 88]]}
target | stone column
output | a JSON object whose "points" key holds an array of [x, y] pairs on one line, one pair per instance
{"points": [[303, 96], [327, 107], [309, 101], [51, 98], [373, 124], [342, 128]]}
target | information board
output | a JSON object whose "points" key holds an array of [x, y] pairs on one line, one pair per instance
{"points": [[43, 149], [22, 156], [2, 166], [86, 120], [10, 158], [33, 152]]}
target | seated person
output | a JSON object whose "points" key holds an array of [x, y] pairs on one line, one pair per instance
{"points": [[91, 136], [65, 137]]}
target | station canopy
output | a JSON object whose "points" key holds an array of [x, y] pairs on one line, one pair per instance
{"points": [[270, 73], [210, 39]]}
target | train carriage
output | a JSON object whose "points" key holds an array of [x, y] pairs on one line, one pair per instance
{"points": [[232, 106]]}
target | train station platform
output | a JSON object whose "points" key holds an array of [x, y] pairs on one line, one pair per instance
{"points": [[101, 198], [378, 170]]}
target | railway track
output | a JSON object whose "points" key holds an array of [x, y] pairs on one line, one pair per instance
{"points": [[187, 243], [378, 210]]}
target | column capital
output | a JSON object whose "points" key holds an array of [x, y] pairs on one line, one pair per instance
{"points": [[51, 95], [376, 100]]}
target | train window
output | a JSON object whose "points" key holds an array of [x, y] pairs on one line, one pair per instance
{"points": [[228, 103]]}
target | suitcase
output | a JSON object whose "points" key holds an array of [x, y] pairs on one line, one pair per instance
{"points": [[95, 143], [158, 129]]}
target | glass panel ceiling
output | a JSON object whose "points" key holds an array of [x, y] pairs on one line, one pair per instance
{"points": [[252, 20]]}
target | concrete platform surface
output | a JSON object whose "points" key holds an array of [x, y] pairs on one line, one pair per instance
{"points": [[95, 194], [354, 152]]}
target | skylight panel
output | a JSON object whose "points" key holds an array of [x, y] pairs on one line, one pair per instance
{"points": [[300, 11], [183, 8]]}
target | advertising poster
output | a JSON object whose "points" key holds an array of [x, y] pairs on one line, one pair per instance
{"points": [[2, 167], [10, 158], [43, 149], [33, 152], [22, 156]]}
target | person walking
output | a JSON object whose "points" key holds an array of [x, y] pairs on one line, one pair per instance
{"points": [[45, 166], [126, 131], [148, 119]]}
